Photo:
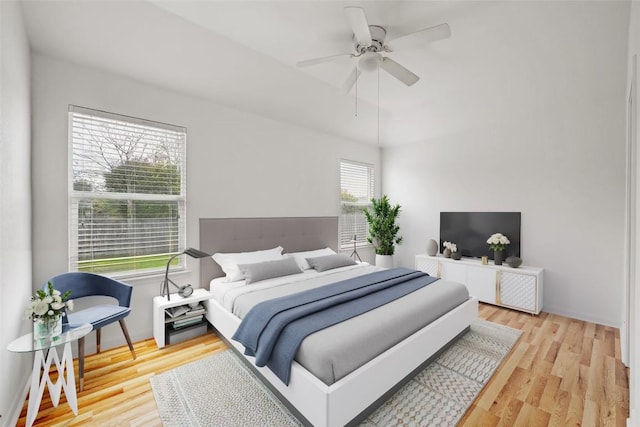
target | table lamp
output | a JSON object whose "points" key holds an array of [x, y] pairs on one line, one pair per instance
{"points": [[183, 291]]}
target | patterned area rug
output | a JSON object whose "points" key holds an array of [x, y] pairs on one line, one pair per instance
{"points": [[220, 390]]}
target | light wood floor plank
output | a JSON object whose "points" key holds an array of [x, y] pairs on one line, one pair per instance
{"points": [[560, 409], [511, 411], [561, 372], [532, 416], [575, 413], [548, 399]]}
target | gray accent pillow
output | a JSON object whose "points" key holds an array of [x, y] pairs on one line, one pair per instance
{"points": [[268, 269], [329, 262]]}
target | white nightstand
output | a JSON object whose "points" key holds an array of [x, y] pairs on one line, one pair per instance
{"points": [[160, 304]]}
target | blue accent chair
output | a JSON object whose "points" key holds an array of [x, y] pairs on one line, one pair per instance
{"points": [[88, 284]]}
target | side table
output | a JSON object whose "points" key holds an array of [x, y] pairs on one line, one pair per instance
{"points": [[160, 304], [46, 353]]}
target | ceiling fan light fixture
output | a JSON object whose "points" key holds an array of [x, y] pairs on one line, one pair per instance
{"points": [[370, 61], [371, 40]]}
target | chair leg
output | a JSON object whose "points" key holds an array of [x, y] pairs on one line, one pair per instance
{"points": [[98, 340], [81, 363], [126, 335]]}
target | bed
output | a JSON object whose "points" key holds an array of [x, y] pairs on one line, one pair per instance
{"points": [[321, 395]]}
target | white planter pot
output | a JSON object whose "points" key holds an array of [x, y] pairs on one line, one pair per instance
{"points": [[384, 261]]}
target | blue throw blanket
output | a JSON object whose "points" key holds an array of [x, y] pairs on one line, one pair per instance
{"points": [[273, 330]]}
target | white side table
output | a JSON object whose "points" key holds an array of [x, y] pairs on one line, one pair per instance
{"points": [[160, 304], [46, 353]]}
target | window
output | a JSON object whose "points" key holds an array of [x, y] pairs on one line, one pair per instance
{"points": [[357, 185], [127, 193]]}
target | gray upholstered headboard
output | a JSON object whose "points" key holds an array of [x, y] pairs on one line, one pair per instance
{"points": [[294, 234]]}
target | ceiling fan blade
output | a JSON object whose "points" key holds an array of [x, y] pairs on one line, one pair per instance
{"points": [[358, 22], [350, 81], [314, 61], [398, 71], [427, 35]]}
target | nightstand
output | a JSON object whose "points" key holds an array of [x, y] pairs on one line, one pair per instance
{"points": [[167, 314]]}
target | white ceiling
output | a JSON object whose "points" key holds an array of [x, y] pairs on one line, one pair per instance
{"points": [[243, 54]]}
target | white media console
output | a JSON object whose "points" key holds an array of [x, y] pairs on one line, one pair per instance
{"points": [[518, 288]]}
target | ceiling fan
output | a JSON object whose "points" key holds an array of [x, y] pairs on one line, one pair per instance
{"points": [[369, 44]]}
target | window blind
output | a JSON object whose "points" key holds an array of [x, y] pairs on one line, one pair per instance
{"points": [[127, 191], [357, 188]]}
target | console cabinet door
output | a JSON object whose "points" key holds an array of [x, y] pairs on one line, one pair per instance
{"points": [[481, 282], [450, 270], [428, 265], [518, 291]]}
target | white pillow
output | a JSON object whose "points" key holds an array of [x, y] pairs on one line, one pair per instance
{"points": [[229, 261], [301, 257]]}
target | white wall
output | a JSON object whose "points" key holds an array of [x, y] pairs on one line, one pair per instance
{"points": [[558, 156], [238, 165], [15, 206], [633, 267]]}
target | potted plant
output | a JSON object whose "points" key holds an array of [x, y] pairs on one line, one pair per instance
{"points": [[498, 243], [383, 230]]}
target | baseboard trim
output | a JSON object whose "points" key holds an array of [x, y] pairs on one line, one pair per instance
{"points": [[581, 316], [632, 421]]}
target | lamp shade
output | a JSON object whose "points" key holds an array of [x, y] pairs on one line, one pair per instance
{"points": [[183, 291], [195, 253]]}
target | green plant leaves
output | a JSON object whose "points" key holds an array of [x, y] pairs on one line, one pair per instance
{"points": [[383, 230]]}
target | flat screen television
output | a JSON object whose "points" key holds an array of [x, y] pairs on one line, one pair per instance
{"points": [[470, 231]]}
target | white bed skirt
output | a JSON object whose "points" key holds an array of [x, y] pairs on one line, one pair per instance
{"points": [[339, 403]]}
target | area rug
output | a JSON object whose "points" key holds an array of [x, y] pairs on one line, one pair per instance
{"points": [[221, 391]]}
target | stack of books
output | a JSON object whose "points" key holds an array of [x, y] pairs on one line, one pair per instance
{"points": [[185, 316], [177, 311], [181, 323]]}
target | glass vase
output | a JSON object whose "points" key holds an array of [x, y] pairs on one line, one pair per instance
{"points": [[47, 328]]}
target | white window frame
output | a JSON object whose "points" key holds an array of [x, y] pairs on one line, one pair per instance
{"points": [[76, 196], [362, 177]]}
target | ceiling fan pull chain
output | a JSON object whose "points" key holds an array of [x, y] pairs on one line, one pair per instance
{"points": [[378, 106], [356, 94]]}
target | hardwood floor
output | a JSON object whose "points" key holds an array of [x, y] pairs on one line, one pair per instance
{"points": [[562, 372]]}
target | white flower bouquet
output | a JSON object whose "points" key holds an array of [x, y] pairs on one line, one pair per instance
{"points": [[451, 246], [498, 242], [48, 305]]}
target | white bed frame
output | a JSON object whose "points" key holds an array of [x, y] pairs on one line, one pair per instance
{"points": [[341, 402], [346, 400]]}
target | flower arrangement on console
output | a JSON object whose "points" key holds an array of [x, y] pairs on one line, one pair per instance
{"points": [[48, 306], [498, 242], [449, 248]]}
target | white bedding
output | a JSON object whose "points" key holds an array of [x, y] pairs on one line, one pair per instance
{"points": [[334, 352], [225, 293]]}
